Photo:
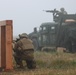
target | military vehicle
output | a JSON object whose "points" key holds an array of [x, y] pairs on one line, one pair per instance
{"points": [[59, 33]]}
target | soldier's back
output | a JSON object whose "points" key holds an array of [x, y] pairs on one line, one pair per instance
{"points": [[26, 43]]}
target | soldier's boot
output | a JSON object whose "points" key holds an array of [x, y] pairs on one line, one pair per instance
{"points": [[19, 63], [31, 64]]}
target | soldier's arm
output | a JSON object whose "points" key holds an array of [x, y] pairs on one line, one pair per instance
{"points": [[15, 47], [19, 45]]}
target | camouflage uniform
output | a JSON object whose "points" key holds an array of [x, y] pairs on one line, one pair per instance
{"points": [[24, 50]]}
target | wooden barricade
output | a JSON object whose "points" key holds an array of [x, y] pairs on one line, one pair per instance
{"points": [[6, 37]]}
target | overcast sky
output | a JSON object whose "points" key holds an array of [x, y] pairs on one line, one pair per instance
{"points": [[27, 14]]}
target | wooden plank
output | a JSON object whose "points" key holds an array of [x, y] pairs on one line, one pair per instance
{"points": [[0, 46], [6, 34], [9, 64], [6, 22], [3, 47]]}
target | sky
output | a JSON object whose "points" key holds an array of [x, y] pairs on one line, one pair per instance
{"points": [[27, 14]]}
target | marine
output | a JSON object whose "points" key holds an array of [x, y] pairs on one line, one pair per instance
{"points": [[62, 10], [24, 50]]}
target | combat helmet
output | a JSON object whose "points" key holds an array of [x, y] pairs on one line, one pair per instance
{"points": [[62, 9], [23, 35]]}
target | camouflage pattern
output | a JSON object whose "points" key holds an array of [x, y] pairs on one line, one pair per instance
{"points": [[23, 35], [25, 55], [24, 44], [24, 50]]}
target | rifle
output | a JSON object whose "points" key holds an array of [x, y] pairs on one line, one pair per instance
{"points": [[52, 11], [55, 14]]}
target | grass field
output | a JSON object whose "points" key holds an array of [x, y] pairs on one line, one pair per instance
{"points": [[49, 64]]}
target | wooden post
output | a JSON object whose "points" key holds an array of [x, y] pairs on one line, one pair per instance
{"points": [[6, 37]]}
